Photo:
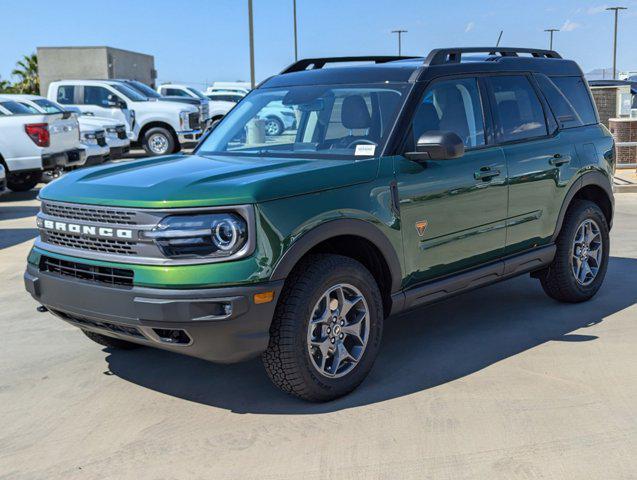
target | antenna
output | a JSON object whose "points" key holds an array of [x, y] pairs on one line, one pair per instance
{"points": [[497, 44]]}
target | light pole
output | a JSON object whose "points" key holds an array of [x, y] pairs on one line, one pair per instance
{"points": [[616, 10], [296, 47], [400, 33], [251, 34], [551, 32]]}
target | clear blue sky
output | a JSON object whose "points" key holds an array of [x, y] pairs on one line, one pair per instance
{"points": [[195, 41]]}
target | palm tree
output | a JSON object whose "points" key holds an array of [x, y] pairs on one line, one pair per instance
{"points": [[27, 72], [5, 86]]}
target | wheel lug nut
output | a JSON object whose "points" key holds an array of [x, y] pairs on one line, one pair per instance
{"points": [[333, 340], [342, 323], [341, 336], [329, 330]]}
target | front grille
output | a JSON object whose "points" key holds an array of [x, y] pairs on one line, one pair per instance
{"points": [[91, 214], [193, 121], [83, 271], [121, 133], [101, 139], [104, 245]]}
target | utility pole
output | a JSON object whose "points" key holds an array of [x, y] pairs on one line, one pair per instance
{"points": [[616, 10], [296, 45], [551, 32], [251, 28], [400, 33]]}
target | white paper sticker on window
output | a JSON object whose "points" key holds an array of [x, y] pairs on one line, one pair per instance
{"points": [[365, 150]]}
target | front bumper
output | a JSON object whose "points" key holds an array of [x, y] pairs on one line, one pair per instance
{"points": [[69, 158], [189, 136], [119, 152], [141, 314]]}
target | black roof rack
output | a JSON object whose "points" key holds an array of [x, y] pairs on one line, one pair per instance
{"points": [[441, 56], [318, 63]]}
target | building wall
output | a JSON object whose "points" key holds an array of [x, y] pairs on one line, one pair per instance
{"points": [[606, 102], [625, 130], [100, 63]]}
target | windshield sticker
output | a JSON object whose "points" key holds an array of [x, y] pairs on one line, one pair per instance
{"points": [[365, 150]]}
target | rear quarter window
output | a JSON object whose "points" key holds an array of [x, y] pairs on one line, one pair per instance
{"points": [[576, 91]]}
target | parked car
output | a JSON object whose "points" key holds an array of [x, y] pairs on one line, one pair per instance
{"points": [[230, 97], [159, 127], [407, 182], [150, 94], [99, 145], [242, 88], [3, 181], [32, 144]]}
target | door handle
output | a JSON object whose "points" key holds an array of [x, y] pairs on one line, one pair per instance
{"points": [[485, 174], [558, 160]]}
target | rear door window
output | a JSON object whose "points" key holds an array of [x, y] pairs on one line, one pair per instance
{"points": [[66, 94], [517, 109], [576, 91]]}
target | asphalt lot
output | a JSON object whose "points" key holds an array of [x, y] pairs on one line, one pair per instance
{"points": [[497, 383]]}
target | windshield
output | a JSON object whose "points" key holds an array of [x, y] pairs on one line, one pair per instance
{"points": [[196, 92], [127, 91], [48, 106], [17, 108], [142, 88], [309, 121]]}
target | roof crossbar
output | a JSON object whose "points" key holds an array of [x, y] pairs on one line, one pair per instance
{"points": [[318, 63], [441, 56]]}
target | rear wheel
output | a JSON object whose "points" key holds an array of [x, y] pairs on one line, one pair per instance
{"points": [[22, 182], [158, 141], [581, 259], [326, 330], [110, 342], [273, 127]]}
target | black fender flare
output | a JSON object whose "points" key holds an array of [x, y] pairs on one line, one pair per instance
{"points": [[337, 228], [596, 178]]}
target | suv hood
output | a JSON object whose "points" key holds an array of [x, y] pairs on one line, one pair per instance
{"points": [[199, 181]]}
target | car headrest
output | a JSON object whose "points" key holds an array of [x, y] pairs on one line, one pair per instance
{"points": [[354, 113]]}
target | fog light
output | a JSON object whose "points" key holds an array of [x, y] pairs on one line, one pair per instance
{"points": [[264, 297]]}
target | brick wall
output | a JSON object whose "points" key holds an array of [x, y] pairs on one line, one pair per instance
{"points": [[606, 102], [624, 130]]}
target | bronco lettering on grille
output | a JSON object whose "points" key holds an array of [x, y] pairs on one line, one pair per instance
{"points": [[89, 230]]}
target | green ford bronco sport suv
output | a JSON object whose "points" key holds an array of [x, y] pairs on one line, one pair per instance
{"points": [[404, 181]]}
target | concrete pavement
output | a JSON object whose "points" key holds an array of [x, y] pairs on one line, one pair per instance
{"points": [[499, 383]]}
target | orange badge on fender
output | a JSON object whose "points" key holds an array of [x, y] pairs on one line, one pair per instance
{"points": [[421, 227]]}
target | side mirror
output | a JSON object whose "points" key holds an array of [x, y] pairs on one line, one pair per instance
{"points": [[435, 145], [113, 101]]}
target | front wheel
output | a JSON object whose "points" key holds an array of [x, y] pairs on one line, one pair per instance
{"points": [[326, 330], [581, 259], [273, 127], [158, 141]]}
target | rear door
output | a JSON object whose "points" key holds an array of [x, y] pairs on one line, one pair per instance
{"points": [[453, 212], [540, 160]]}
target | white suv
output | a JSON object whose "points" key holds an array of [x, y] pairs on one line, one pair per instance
{"points": [[159, 127]]}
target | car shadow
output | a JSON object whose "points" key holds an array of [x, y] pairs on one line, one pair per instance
{"points": [[421, 349], [19, 196], [14, 236], [13, 213]]}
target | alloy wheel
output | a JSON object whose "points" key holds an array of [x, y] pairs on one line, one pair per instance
{"points": [[338, 330], [158, 143], [587, 252]]}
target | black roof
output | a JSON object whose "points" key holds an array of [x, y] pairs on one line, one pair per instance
{"points": [[439, 62]]}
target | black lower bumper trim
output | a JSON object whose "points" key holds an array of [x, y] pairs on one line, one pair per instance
{"points": [[51, 161], [224, 324]]}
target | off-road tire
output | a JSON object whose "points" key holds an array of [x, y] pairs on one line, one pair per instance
{"points": [[558, 280], [110, 342], [23, 182], [287, 359], [168, 136]]}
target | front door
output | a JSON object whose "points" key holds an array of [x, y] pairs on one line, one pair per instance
{"points": [[453, 212], [95, 101]]}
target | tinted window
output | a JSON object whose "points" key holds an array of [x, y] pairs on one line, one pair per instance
{"points": [[175, 92], [452, 106], [565, 113], [17, 108], [576, 91], [66, 95], [129, 92], [518, 112], [96, 96], [30, 108]]}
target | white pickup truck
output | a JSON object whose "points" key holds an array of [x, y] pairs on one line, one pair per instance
{"points": [[159, 127], [31, 144], [3, 181]]}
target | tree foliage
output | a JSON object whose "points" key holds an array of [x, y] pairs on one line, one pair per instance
{"points": [[26, 77]]}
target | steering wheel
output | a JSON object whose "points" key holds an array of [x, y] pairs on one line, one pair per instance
{"points": [[361, 141]]}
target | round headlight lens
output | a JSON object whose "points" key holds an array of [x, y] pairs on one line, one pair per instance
{"points": [[225, 233]]}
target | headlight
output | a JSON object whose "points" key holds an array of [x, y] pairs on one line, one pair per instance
{"points": [[111, 130], [89, 138], [183, 120], [210, 235]]}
